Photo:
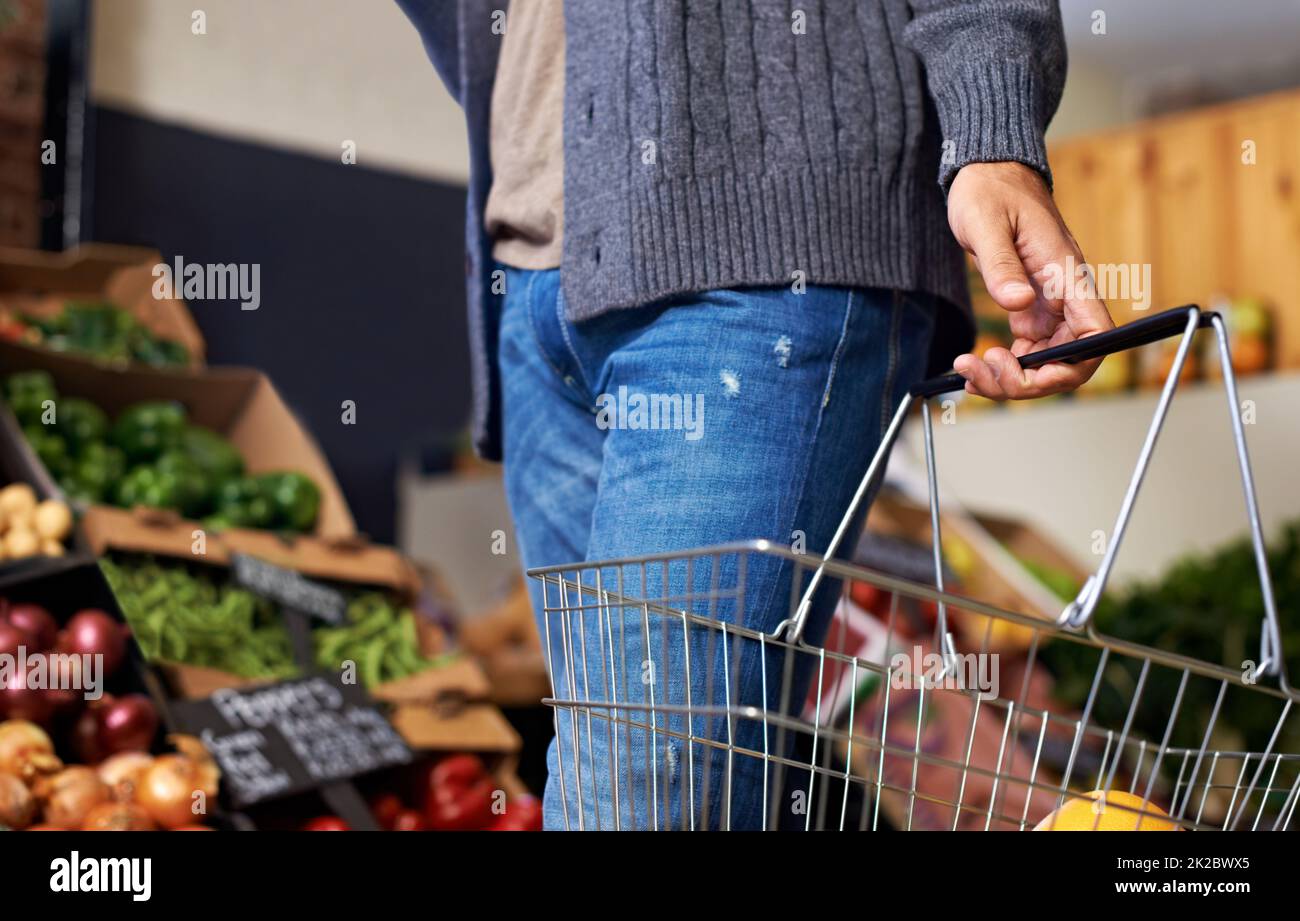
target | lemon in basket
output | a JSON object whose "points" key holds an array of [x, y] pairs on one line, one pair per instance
{"points": [[1114, 811]]}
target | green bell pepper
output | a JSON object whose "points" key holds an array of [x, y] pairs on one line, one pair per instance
{"points": [[215, 456], [27, 394], [295, 499], [144, 485], [49, 447], [183, 477], [80, 422], [145, 430], [241, 503]]}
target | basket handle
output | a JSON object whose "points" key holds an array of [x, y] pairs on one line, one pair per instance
{"points": [[1181, 321], [1150, 329]]}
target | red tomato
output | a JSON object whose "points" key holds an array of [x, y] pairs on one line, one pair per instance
{"points": [[327, 823], [385, 808], [523, 813], [409, 820]]}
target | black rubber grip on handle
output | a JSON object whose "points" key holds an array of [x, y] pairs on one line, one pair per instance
{"points": [[1129, 336]]}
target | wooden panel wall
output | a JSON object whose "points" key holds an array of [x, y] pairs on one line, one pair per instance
{"points": [[1179, 193]]}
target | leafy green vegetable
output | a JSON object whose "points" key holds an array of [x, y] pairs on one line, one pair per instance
{"points": [[195, 615], [108, 333], [1209, 608]]}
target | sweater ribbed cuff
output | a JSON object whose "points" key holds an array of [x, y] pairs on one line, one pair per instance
{"points": [[991, 113]]}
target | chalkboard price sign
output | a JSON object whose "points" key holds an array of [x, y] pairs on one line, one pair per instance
{"points": [[286, 587], [279, 739]]}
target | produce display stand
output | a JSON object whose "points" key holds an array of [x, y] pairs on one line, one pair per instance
{"points": [[38, 283], [80, 587], [333, 739]]}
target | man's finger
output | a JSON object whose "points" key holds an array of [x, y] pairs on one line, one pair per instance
{"points": [[1048, 242], [980, 378], [1014, 380], [1004, 274]]}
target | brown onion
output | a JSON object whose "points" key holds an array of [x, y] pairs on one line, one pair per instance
{"points": [[117, 817], [122, 773], [25, 750], [69, 795], [17, 805], [167, 789]]}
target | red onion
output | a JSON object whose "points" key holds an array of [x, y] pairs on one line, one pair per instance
{"points": [[66, 683], [11, 637], [84, 737], [94, 632], [37, 622], [126, 723], [18, 701]]}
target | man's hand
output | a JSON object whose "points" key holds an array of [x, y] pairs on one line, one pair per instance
{"points": [[1003, 215]]}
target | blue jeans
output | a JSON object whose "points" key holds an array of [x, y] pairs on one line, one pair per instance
{"points": [[784, 397]]}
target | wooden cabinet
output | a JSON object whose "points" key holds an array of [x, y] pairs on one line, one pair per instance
{"points": [[1209, 199], [22, 116]]}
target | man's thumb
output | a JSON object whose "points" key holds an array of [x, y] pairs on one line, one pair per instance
{"points": [[1003, 272]]}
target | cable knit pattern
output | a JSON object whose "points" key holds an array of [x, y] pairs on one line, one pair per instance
{"points": [[721, 143]]}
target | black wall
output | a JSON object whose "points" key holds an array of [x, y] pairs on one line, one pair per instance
{"points": [[362, 280]]}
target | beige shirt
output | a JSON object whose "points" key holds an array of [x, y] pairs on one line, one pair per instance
{"points": [[525, 206]]}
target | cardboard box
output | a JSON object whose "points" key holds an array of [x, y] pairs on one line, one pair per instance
{"points": [[350, 559], [240, 403], [39, 283]]}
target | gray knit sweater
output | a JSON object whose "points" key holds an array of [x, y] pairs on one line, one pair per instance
{"points": [[719, 143]]}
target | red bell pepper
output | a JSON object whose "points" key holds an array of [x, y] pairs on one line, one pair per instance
{"points": [[458, 794]]}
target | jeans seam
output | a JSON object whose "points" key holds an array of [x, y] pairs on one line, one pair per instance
{"points": [[891, 369], [767, 602], [568, 341], [532, 326], [839, 351]]}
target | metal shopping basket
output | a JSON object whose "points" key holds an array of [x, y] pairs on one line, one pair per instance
{"points": [[675, 709]]}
